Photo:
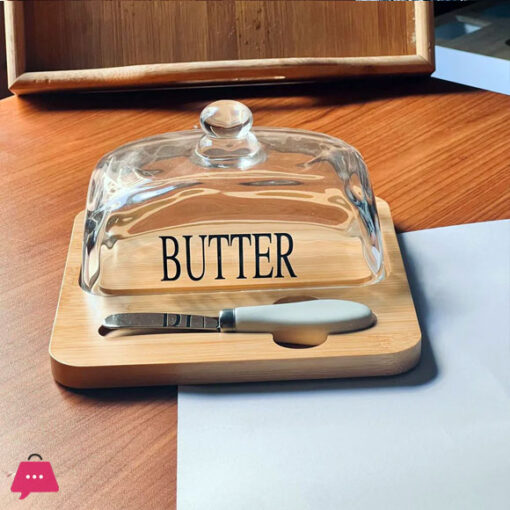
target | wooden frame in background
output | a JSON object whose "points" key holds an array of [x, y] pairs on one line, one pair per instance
{"points": [[24, 80]]}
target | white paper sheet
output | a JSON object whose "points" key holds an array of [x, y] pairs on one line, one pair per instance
{"points": [[437, 437]]}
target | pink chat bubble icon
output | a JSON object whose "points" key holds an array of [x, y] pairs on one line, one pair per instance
{"points": [[34, 477]]}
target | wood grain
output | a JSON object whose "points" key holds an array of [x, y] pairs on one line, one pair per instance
{"points": [[437, 152], [117, 44], [90, 34]]}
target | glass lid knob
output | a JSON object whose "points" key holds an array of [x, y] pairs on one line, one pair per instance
{"points": [[226, 119], [228, 140]]}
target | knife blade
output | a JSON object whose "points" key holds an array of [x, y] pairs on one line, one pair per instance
{"points": [[171, 321]]}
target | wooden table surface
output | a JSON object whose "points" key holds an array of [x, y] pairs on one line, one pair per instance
{"points": [[437, 152]]}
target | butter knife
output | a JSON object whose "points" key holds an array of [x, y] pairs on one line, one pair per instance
{"points": [[304, 322]]}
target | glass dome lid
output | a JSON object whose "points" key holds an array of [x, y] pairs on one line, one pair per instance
{"points": [[230, 207]]}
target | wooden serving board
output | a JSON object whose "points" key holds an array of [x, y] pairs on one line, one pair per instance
{"points": [[82, 357]]}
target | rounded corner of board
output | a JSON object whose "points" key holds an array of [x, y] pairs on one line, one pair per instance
{"points": [[66, 374], [408, 358]]}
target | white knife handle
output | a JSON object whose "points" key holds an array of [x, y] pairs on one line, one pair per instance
{"points": [[303, 323]]}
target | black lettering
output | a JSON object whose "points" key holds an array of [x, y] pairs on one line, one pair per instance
{"points": [[284, 256], [259, 255], [173, 257], [219, 238], [188, 257], [241, 238]]}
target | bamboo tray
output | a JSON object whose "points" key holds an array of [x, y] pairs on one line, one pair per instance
{"points": [[83, 358], [90, 45]]}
